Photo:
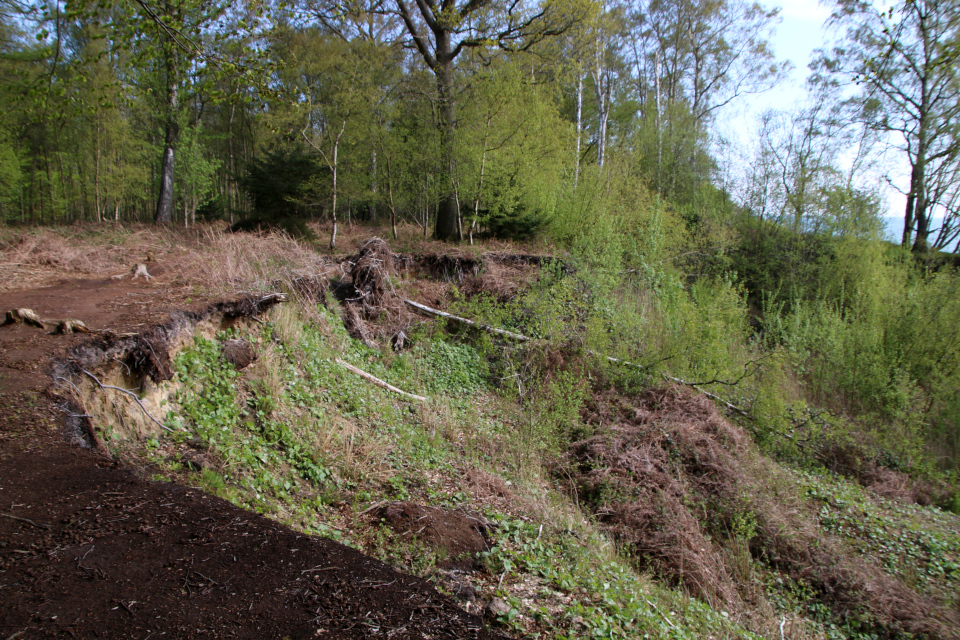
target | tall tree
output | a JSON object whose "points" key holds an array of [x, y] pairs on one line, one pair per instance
{"points": [[906, 61], [441, 32], [690, 60], [178, 44]]}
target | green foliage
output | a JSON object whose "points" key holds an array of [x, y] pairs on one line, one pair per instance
{"points": [[10, 173], [450, 368], [196, 171], [919, 545], [209, 404], [518, 224], [878, 343], [278, 181], [609, 600], [265, 446]]}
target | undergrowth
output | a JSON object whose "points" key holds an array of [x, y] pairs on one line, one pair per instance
{"points": [[302, 439]]}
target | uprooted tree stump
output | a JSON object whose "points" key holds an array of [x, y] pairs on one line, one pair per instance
{"points": [[373, 299], [371, 271], [23, 316]]}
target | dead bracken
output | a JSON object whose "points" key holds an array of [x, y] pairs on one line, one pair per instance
{"points": [[686, 493]]}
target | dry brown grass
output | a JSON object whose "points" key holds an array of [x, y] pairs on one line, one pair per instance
{"points": [[38, 257], [644, 471], [855, 461], [204, 259]]}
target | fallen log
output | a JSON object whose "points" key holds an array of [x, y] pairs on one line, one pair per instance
{"points": [[377, 381], [449, 316], [519, 337]]}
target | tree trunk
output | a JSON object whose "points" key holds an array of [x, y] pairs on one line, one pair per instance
{"points": [[576, 164], [164, 213], [333, 168], [916, 211], [447, 212], [601, 85], [96, 171], [372, 210]]}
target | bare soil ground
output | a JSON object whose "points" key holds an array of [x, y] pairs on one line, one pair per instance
{"points": [[91, 549]]}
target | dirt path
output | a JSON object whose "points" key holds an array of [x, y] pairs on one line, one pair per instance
{"points": [[92, 550]]}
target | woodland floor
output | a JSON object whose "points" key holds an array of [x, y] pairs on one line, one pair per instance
{"points": [[90, 549]]}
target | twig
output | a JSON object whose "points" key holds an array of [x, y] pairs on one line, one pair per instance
{"points": [[319, 569], [732, 407], [28, 521], [377, 381], [132, 395]]}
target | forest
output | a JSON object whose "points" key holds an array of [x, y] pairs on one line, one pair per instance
{"points": [[473, 117], [556, 176], [587, 125]]}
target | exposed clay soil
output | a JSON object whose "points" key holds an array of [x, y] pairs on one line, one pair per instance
{"points": [[89, 549]]}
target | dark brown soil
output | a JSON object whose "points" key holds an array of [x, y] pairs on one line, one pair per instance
{"points": [[89, 549], [239, 353]]}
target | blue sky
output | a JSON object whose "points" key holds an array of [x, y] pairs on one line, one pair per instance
{"points": [[800, 32]]}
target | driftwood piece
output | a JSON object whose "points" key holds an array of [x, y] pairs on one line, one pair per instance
{"points": [[377, 381], [71, 325]]}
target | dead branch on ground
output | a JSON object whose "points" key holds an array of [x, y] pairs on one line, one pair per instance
{"points": [[27, 520], [377, 381], [712, 396]]}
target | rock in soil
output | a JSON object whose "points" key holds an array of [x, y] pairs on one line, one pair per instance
{"points": [[496, 608]]}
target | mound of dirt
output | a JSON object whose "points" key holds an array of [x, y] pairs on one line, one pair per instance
{"points": [[239, 353], [457, 535]]}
